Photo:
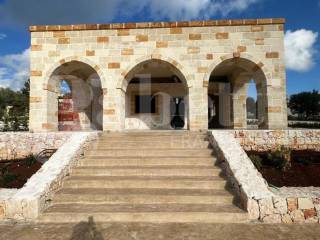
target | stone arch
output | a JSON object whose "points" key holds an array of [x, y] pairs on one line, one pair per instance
{"points": [[161, 118], [122, 82], [85, 100], [69, 59], [260, 65], [252, 68]]}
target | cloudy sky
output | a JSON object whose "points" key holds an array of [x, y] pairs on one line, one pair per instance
{"points": [[302, 38]]}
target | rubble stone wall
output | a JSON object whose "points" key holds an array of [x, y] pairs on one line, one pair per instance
{"points": [[263, 203], [28, 202], [15, 145], [265, 140]]}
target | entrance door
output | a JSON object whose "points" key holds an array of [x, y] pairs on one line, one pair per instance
{"points": [[177, 106]]}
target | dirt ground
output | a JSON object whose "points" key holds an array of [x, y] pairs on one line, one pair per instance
{"points": [[135, 231]]}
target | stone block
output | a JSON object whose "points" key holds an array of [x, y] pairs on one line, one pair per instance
{"points": [[142, 38], [90, 53], [272, 55], [193, 36], [305, 203], [123, 32], [193, 50], [222, 35], [162, 44], [209, 56], [253, 209], [309, 213], [175, 30], [59, 34], [114, 65], [280, 205], [127, 52], [64, 40], [274, 218], [36, 73], [286, 218], [297, 216], [257, 28], [2, 212], [292, 204], [102, 39], [36, 47]]}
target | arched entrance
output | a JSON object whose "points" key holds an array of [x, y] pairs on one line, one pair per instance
{"points": [[228, 93], [76, 98], [156, 97]]}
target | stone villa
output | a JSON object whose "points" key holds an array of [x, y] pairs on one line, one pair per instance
{"points": [[157, 75], [161, 76]]}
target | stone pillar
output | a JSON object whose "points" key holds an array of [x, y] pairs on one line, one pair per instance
{"points": [[276, 109], [198, 108], [239, 99], [225, 105], [113, 109]]}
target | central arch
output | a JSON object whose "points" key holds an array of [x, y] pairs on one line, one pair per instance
{"points": [[155, 96]]}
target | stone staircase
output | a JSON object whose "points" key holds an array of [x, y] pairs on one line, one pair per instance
{"points": [[157, 177]]}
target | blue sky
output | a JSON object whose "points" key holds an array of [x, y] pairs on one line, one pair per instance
{"points": [[302, 27]]}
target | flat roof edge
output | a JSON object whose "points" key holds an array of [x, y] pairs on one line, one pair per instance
{"points": [[144, 25]]}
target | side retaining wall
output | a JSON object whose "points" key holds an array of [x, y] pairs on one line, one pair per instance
{"points": [[15, 145], [263, 203], [28, 202]]}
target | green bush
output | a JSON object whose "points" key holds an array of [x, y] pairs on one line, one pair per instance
{"points": [[256, 160]]}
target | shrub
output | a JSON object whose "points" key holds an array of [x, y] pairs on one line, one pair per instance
{"points": [[256, 160]]}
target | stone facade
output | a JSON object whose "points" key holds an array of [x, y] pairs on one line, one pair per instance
{"points": [[194, 51], [284, 205]]}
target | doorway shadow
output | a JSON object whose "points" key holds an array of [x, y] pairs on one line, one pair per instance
{"points": [[86, 231]]}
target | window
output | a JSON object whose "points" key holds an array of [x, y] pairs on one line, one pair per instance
{"points": [[145, 104]]}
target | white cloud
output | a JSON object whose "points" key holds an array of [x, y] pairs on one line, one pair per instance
{"points": [[300, 49], [2, 36], [82, 11], [14, 69]]}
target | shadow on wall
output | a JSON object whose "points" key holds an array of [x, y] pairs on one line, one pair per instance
{"points": [[86, 231]]}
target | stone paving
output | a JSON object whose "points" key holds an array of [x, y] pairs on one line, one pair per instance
{"points": [[94, 231]]}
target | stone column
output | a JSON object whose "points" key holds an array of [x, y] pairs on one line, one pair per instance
{"points": [[198, 108], [113, 109], [224, 105], [239, 99]]}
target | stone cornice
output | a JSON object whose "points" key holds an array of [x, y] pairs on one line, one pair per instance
{"points": [[143, 25]]}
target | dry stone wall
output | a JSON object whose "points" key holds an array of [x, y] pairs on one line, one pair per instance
{"points": [[28, 202], [15, 145], [264, 203]]}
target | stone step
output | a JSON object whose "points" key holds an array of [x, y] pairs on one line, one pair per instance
{"points": [[146, 171], [147, 161], [213, 182], [152, 133], [142, 196], [154, 213], [147, 145], [151, 152]]}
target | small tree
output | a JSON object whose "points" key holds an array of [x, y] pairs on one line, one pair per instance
{"points": [[305, 104], [251, 107]]}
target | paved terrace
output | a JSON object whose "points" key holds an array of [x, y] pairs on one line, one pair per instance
{"points": [[94, 231]]}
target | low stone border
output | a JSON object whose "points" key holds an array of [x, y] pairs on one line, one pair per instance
{"points": [[262, 203], [28, 202], [15, 145], [265, 140]]}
